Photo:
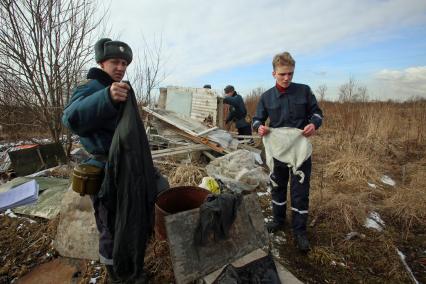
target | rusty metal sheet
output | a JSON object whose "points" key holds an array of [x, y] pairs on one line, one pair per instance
{"points": [[190, 262]]}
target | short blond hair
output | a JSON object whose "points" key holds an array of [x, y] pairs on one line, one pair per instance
{"points": [[283, 59]]}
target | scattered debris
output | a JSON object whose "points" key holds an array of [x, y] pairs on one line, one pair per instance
{"points": [[50, 193], [19, 195], [372, 185], [402, 257], [238, 171], [387, 180], [79, 154], [262, 193], [210, 184], [354, 235], [374, 221], [247, 234]]}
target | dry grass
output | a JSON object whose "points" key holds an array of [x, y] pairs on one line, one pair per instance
{"points": [[186, 175], [357, 144], [158, 263], [406, 208]]}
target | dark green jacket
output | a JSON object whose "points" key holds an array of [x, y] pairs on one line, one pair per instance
{"points": [[91, 114]]}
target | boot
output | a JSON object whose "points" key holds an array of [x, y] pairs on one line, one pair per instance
{"points": [[302, 242]]}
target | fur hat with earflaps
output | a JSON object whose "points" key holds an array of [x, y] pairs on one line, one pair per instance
{"points": [[105, 48]]}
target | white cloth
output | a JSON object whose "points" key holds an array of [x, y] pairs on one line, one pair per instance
{"points": [[289, 146]]}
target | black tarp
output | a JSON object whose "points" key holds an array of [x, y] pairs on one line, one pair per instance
{"points": [[260, 271]]}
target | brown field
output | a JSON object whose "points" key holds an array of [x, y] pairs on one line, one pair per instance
{"points": [[357, 144]]}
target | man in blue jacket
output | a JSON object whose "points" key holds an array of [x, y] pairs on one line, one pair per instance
{"points": [[293, 105], [237, 111], [92, 114]]}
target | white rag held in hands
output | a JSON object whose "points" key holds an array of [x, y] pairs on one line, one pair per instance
{"points": [[288, 146]]}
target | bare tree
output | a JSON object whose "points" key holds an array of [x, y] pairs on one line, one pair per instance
{"points": [[252, 99], [148, 72], [353, 92], [44, 46], [321, 90]]}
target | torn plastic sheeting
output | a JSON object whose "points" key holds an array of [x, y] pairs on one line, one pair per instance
{"points": [[410, 272], [238, 171], [224, 139], [387, 180], [50, 195], [372, 185], [374, 221]]}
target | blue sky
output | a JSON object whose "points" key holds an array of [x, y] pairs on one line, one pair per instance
{"points": [[380, 43]]}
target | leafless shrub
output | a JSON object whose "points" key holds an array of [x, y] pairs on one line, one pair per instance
{"points": [[353, 92], [321, 91], [44, 47]]}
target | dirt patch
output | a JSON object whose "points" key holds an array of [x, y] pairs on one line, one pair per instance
{"points": [[24, 243]]}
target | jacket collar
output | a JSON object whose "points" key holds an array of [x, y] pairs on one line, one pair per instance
{"points": [[100, 75], [288, 90]]}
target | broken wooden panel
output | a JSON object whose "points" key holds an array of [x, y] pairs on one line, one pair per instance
{"points": [[191, 262], [53, 154], [185, 123], [26, 161], [191, 129], [29, 160], [156, 154]]}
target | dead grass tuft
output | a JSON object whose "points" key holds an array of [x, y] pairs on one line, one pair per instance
{"points": [[158, 263], [406, 208], [187, 175], [322, 255], [352, 164], [343, 211]]}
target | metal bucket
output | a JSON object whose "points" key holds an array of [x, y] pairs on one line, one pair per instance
{"points": [[174, 200]]}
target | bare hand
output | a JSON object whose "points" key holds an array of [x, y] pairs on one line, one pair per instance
{"points": [[309, 130], [119, 92], [263, 130]]}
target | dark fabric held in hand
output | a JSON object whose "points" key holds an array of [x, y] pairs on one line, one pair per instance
{"points": [[260, 271], [129, 191], [217, 214]]}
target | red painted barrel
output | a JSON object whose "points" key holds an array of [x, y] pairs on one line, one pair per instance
{"points": [[174, 200]]}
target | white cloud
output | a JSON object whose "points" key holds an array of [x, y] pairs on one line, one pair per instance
{"points": [[200, 37], [405, 83]]}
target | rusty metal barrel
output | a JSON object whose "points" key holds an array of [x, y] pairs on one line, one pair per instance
{"points": [[174, 200]]}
